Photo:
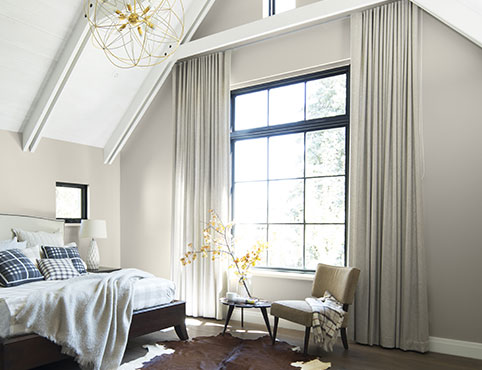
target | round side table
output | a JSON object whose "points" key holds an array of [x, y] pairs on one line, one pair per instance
{"points": [[262, 305]]}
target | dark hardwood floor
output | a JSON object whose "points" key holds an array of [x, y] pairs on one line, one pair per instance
{"points": [[358, 357]]}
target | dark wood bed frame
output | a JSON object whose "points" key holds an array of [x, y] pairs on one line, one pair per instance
{"points": [[31, 350]]}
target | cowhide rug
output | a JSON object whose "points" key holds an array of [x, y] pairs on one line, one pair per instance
{"points": [[225, 352]]}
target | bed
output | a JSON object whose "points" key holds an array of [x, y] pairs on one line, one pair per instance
{"points": [[24, 351]]}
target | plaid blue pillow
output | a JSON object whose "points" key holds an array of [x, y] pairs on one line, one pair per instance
{"points": [[66, 252], [57, 269], [17, 269]]}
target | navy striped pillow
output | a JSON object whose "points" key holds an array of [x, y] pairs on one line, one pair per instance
{"points": [[17, 269], [66, 252], [57, 268]]}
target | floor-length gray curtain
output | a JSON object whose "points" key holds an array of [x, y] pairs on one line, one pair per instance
{"points": [[385, 232], [201, 96]]}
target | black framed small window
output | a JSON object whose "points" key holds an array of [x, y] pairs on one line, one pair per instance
{"points": [[71, 202], [280, 6], [289, 147]]}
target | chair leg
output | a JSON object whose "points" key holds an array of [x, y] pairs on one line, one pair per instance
{"points": [[344, 338], [307, 340], [275, 328]]}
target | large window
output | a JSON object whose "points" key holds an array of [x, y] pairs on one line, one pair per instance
{"points": [[289, 146], [71, 202]]}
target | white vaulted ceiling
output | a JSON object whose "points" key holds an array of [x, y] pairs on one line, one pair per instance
{"points": [[90, 96], [93, 100], [55, 83], [32, 33]]}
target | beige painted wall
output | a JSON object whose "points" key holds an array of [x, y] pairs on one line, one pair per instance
{"points": [[452, 114], [27, 186], [226, 14], [452, 83], [317, 45], [146, 189]]}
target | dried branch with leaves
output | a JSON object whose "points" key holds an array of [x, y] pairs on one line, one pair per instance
{"points": [[218, 242]]}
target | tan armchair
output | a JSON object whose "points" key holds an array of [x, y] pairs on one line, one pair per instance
{"points": [[339, 281]]}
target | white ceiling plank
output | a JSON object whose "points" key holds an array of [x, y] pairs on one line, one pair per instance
{"points": [[46, 16], [47, 98], [461, 15], [33, 32], [294, 20], [38, 41], [195, 13], [94, 99]]}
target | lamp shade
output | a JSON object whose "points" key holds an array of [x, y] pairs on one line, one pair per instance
{"points": [[93, 229]]}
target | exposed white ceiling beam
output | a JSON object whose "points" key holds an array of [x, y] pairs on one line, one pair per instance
{"points": [[195, 14], [294, 20], [461, 15], [319, 12], [54, 83]]}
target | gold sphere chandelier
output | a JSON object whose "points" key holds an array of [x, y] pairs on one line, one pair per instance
{"points": [[136, 33]]}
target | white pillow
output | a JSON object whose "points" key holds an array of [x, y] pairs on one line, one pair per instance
{"points": [[34, 238], [32, 253], [12, 244], [5, 244]]}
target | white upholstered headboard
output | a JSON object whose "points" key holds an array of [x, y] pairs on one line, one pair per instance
{"points": [[28, 223]]}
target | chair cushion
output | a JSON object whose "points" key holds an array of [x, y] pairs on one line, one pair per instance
{"points": [[339, 281], [295, 311]]}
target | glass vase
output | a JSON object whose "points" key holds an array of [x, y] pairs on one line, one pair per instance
{"points": [[244, 287]]}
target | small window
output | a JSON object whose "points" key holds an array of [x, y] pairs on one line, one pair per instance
{"points": [[71, 202], [272, 7]]}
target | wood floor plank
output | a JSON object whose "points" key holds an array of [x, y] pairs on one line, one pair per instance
{"points": [[358, 357]]}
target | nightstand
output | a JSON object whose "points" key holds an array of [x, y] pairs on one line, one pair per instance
{"points": [[104, 269]]}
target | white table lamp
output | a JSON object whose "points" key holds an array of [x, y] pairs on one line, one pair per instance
{"points": [[94, 229]]}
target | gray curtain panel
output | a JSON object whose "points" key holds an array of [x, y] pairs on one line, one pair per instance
{"points": [[201, 96], [385, 231]]}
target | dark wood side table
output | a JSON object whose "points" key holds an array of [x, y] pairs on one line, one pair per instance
{"points": [[104, 269], [262, 305]]}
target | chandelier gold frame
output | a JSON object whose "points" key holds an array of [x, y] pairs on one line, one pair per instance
{"points": [[136, 33]]}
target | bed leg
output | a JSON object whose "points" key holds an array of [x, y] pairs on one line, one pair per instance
{"points": [[181, 331], [2, 356]]}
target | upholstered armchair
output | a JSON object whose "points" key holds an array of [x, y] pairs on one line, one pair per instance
{"points": [[339, 281]]}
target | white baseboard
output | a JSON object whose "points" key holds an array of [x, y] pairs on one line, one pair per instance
{"points": [[456, 347], [440, 345]]}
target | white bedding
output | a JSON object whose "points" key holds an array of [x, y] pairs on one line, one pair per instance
{"points": [[148, 292]]}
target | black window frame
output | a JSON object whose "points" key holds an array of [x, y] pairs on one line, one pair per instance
{"points": [[271, 7], [292, 128], [83, 200]]}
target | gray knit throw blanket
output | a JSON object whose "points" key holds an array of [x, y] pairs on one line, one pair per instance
{"points": [[88, 316]]}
